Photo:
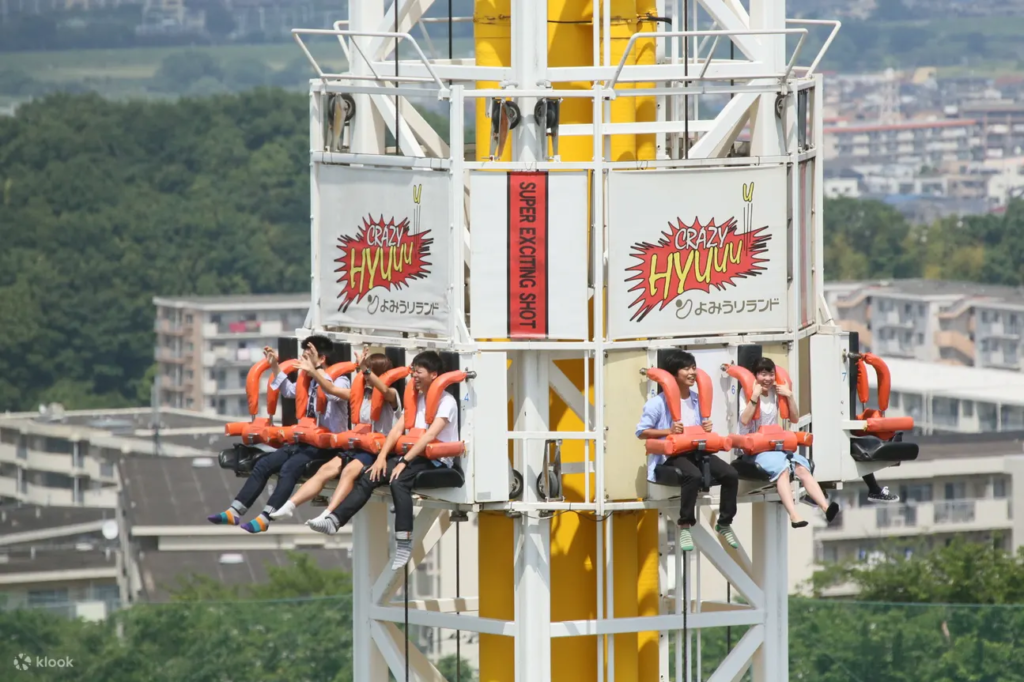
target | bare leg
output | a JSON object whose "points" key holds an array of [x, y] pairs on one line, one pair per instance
{"points": [[786, 493], [349, 474], [309, 489], [812, 487], [313, 486]]}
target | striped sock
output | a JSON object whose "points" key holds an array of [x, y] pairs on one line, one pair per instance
{"points": [[231, 516], [403, 552], [257, 525]]}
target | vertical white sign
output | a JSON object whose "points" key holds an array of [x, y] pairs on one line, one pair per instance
{"points": [[529, 255], [384, 240], [695, 253]]}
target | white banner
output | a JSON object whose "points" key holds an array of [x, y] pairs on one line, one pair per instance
{"points": [[529, 255], [384, 244], [695, 253]]}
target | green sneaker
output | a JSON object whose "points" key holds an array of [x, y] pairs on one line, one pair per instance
{"points": [[730, 537], [685, 540]]}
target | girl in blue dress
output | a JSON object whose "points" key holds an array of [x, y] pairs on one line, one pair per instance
{"points": [[767, 394]]}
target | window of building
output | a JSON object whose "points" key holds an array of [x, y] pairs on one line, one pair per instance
{"points": [[894, 399], [107, 469], [916, 492], [999, 488], [945, 411], [988, 417], [9, 436], [47, 597], [1012, 417], [956, 490], [967, 408]]}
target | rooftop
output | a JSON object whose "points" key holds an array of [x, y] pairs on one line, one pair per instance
{"points": [[932, 288], [238, 302], [180, 432], [181, 491], [966, 383], [955, 445], [162, 572]]}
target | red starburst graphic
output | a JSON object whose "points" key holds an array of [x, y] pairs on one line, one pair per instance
{"points": [[382, 254], [694, 257]]}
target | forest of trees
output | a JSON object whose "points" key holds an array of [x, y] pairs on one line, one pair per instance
{"points": [[104, 205], [949, 615]]}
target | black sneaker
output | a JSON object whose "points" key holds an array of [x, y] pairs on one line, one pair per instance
{"points": [[884, 497]]}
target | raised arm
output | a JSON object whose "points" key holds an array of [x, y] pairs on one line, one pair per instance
{"points": [[751, 406], [278, 380]]}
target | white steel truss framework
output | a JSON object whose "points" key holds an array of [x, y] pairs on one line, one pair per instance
{"points": [[774, 98]]}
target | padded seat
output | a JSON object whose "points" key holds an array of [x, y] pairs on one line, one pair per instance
{"points": [[749, 470], [314, 465], [441, 477], [874, 449], [240, 459]]}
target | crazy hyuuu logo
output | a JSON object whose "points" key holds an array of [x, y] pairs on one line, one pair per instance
{"points": [[24, 662]]}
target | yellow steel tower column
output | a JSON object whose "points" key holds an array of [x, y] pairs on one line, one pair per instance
{"points": [[573, 536]]}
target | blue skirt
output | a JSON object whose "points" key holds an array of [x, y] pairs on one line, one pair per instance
{"points": [[775, 462]]}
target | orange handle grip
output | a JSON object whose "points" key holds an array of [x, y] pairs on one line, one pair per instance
{"points": [[252, 385], [286, 367]]}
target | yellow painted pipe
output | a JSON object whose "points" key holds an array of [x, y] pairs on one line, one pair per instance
{"points": [[492, 31], [492, 39]]}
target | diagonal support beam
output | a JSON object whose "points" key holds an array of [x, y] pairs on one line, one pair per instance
{"points": [[429, 138], [567, 391], [407, 141], [729, 569], [724, 13], [409, 12], [430, 525], [733, 666], [730, 121]]}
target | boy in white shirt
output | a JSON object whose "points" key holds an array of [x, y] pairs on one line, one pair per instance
{"points": [[400, 471]]}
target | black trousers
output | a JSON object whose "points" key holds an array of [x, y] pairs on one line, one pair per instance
{"points": [[690, 474], [401, 492], [288, 462]]}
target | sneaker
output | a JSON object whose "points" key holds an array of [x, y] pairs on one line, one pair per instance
{"points": [[685, 540], [885, 496], [730, 537]]}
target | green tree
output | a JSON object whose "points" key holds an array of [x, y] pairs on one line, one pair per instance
{"points": [[448, 666], [867, 240]]}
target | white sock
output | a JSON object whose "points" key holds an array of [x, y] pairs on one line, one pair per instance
{"points": [[403, 552], [284, 512]]}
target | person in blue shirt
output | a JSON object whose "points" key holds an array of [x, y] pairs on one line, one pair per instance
{"points": [[656, 422]]}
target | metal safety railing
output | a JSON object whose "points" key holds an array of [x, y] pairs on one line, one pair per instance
{"points": [[297, 33], [802, 32], [836, 25]]}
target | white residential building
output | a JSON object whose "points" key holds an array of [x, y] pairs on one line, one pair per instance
{"points": [[934, 321], [205, 346]]}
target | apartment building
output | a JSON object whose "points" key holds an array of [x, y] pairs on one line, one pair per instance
{"points": [[61, 546], [960, 486], [913, 143], [100, 510], [205, 346], [934, 321]]}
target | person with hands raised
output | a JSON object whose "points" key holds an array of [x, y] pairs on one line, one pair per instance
{"points": [[348, 465], [289, 461], [764, 402]]}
